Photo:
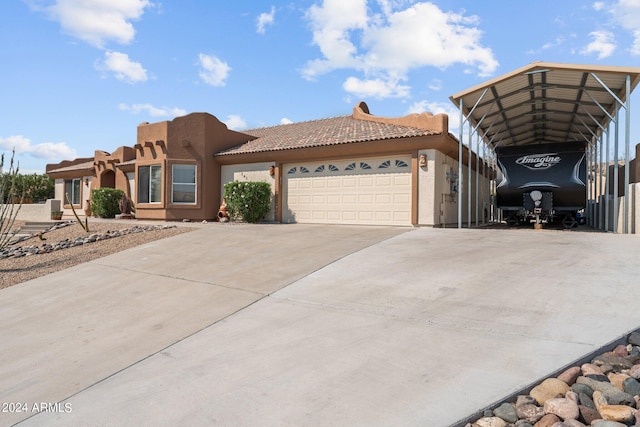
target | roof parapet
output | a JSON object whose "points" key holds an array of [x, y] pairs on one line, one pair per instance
{"points": [[427, 121]]}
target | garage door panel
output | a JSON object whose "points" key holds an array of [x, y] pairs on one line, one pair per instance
{"points": [[366, 181], [367, 191], [382, 199]]}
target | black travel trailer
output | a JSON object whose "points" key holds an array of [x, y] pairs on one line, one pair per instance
{"points": [[542, 182]]}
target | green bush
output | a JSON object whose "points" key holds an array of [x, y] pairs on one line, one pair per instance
{"points": [[105, 202], [249, 201]]}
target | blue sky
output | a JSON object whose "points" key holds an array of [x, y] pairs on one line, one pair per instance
{"points": [[80, 75]]}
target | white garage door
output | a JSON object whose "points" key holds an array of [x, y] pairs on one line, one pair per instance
{"points": [[358, 191]]}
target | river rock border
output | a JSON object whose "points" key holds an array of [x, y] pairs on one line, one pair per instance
{"points": [[12, 251], [605, 392]]}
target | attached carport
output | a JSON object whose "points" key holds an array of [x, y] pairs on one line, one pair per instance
{"points": [[553, 103]]}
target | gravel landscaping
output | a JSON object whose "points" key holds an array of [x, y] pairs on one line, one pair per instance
{"points": [[70, 245], [603, 392]]}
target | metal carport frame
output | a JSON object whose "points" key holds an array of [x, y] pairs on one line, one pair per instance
{"points": [[553, 103]]}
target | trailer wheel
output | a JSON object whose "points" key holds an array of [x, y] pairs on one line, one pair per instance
{"points": [[512, 221], [569, 222]]}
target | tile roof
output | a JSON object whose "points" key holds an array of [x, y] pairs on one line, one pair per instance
{"points": [[323, 132], [79, 166]]}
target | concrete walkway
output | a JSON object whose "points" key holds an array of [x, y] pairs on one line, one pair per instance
{"points": [[275, 325]]}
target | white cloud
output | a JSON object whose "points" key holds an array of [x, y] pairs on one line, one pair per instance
{"points": [[152, 110], [598, 6], [331, 24], [97, 21], [438, 108], [285, 121], [213, 71], [627, 13], [435, 84], [376, 88], [45, 150], [235, 122], [387, 45], [265, 19], [123, 68], [603, 44]]}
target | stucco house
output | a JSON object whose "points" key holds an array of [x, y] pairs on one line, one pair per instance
{"points": [[354, 169]]}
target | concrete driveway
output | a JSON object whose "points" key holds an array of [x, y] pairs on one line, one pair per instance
{"points": [[272, 325]]}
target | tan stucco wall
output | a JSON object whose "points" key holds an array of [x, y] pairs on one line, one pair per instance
{"points": [[191, 139], [427, 190], [250, 172], [85, 192]]}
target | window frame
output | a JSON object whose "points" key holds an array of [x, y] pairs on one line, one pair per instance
{"points": [[194, 183], [149, 184], [75, 196]]}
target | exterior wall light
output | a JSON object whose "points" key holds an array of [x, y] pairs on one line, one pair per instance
{"points": [[423, 160], [272, 170]]}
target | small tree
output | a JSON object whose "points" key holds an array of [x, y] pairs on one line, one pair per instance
{"points": [[249, 201], [8, 192], [105, 202], [38, 187]]}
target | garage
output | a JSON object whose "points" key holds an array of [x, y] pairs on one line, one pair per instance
{"points": [[363, 191]]}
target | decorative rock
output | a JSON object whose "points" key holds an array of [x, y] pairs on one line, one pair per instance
{"points": [[620, 413], [621, 351], [589, 414], [599, 400], [21, 251], [570, 375], [562, 407], [573, 396], [616, 362], [548, 389], [617, 379], [591, 369], [604, 423], [602, 378], [523, 423], [634, 372], [613, 395], [586, 401], [530, 412], [507, 412], [608, 412], [582, 389], [524, 399], [570, 423], [490, 422], [634, 338], [631, 386], [547, 421]]}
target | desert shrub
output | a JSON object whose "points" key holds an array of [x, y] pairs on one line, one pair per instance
{"points": [[8, 191], [38, 187], [105, 202], [249, 201]]}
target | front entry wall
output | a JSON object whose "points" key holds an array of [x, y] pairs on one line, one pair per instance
{"points": [[371, 191]]}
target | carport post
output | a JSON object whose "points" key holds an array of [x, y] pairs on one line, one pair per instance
{"points": [[477, 172], [616, 170], [588, 189], [470, 142], [627, 130], [606, 187], [460, 167], [600, 181]]}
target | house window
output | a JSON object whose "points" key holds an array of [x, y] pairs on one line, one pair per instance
{"points": [[72, 188], [183, 184], [149, 184]]}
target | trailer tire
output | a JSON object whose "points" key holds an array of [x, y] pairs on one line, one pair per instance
{"points": [[512, 221], [569, 222]]}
